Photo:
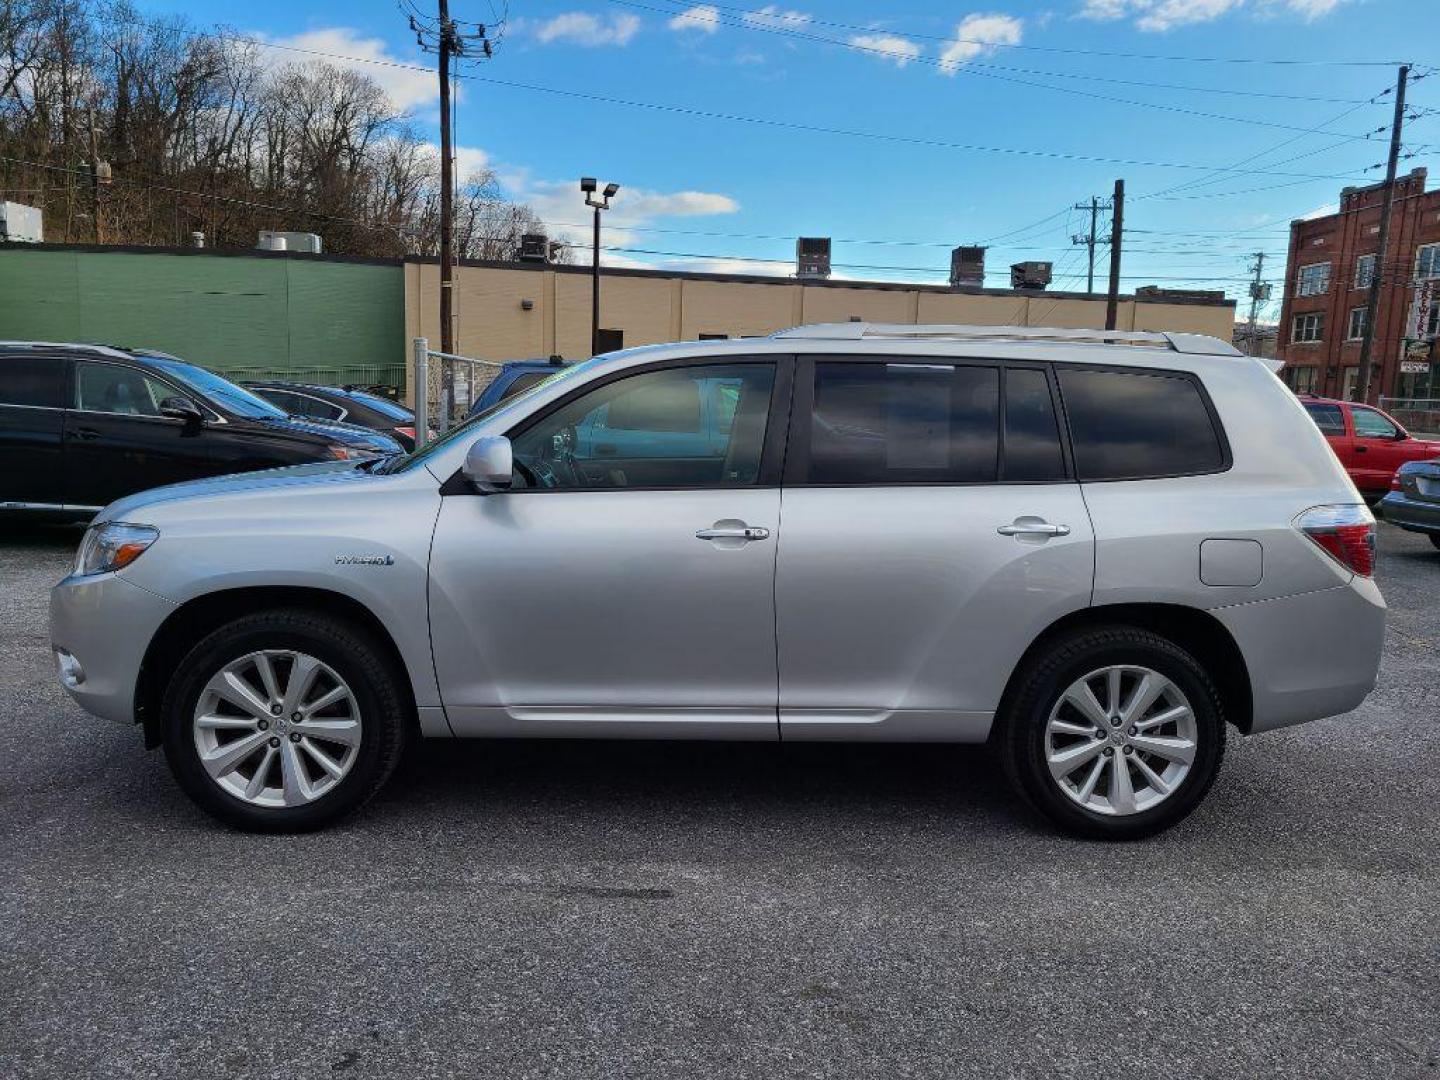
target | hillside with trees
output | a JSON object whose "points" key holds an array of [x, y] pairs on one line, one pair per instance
{"points": [[209, 131]]}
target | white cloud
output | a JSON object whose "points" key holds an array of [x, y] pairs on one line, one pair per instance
{"points": [[560, 204], [898, 50], [468, 160], [772, 17], [703, 17], [406, 87], [583, 28], [1158, 16], [979, 35]]}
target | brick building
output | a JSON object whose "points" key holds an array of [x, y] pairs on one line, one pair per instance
{"points": [[1327, 278]]}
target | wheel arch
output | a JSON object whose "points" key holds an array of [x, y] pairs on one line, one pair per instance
{"points": [[1194, 630], [199, 616]]}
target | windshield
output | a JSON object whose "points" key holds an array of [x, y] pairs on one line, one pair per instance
{"points": [[384, 406], [221, 391], [430, 449]]}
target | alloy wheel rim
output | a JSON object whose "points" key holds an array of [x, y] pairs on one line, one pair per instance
{"points": [[1121, 740], [277, 728]]}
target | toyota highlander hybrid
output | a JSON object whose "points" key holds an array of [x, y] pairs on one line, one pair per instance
{"points": [[1096, 551]]}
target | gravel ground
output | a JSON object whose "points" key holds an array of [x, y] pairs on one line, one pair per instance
{"points": [[670, 910]]}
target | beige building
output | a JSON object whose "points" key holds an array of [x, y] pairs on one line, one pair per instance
{"points": [[508, 311]]}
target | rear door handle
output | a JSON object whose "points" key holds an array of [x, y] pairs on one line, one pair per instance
{"points": [[1361, 449], [1033, 528], [87, 433], [734, 532]]}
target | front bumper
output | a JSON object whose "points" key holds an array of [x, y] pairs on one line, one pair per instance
{"points": [[100, 627], [1310, 656], [1409, 513]]}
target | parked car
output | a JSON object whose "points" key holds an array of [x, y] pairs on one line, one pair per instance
{"points": [[341, 404], [1413, 501], [1095, 550], [1370, 443], [83, 425], [515, 377]]}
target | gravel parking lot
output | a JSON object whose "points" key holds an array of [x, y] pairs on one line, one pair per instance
{"points": [[672, 910]]}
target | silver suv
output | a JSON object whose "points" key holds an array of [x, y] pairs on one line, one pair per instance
{"points": [[1093, 550]]}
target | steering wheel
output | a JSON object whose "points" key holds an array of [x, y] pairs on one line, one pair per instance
{"points": [[555, 463]]}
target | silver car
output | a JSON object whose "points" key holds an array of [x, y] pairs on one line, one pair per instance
{"points": [[1095, 551]]}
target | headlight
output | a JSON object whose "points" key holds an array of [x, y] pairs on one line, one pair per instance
{"points": [[112, 546]]}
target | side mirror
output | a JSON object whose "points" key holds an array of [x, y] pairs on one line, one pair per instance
{"points": [[490, 464], [179, 408]]}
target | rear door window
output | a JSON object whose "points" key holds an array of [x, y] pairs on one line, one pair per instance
{"points": [[35, 381], [1032, 435], [1129, 425], [1328, 418], [904, 423]]}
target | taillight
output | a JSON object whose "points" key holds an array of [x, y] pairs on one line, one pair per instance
{"points": [[408, 432], [1346, 533], [1395, 484]]}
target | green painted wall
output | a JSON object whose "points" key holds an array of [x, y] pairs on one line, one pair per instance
{"points": [[302, 318]]}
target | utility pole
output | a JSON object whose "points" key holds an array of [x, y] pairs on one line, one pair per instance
{"points": [[1259, 292], [1089, 239], [100, 176], [1117, 226], [1372, 302], [443, 37]]}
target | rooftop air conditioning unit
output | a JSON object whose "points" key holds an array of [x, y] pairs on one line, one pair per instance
{"points": [[309, 243], [1030, 275], [967, 266], [812, 257], [21, 224], [534, 247]]}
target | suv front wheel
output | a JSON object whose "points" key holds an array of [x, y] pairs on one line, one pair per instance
{"points": [[283, 721], [1113, 733]]}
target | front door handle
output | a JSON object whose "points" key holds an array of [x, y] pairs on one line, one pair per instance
{"points": [[1361, 449], [87, 433], [1033, 527], [733, 530]]}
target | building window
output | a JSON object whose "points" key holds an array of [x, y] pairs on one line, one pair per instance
{"points": [[1427, 262], [714, 337], [1314, 279], [1365, 271], [1302, 379], [1356, 328], [1309, 327]]}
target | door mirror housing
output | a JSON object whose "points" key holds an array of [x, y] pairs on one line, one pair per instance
{"points": [[489, 465], [180, 408]]}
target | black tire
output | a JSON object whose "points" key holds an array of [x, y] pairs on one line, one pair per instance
{"points": [[1434, 538], [353, 654], [1021, 727]]}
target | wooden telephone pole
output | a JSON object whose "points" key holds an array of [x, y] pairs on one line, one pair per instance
{"points": [[1117, 227], [1382, 273]]}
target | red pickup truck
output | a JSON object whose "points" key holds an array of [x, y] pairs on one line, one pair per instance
{"points": [[1370, 444]]}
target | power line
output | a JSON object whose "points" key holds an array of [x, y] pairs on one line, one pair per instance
{"points": [[987, 71], [1078, 52], [941, 144]]}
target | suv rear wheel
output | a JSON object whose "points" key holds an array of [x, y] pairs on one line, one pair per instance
{"points": [[283, 721], [1113, 733]]}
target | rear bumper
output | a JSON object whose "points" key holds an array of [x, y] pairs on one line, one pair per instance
{"points": [[1410, 513], [100, 628], [1310, 656]]}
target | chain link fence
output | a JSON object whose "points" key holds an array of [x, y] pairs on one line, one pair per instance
{"points": [[1420, 415], [452, 385]]}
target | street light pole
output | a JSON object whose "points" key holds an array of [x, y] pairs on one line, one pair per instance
{"points": [[600, 202]]}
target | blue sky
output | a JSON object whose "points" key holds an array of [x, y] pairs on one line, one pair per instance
{"points": [[1019, 77]]}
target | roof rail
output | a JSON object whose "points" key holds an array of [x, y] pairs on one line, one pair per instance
{"points": [[861, 331]]}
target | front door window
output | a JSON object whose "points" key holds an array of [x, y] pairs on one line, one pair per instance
{"points": [[686, 427]]}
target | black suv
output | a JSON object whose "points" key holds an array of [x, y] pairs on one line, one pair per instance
{"points": [[83, 425]]}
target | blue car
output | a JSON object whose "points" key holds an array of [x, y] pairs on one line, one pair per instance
{"points": [[1414, 499], [515, 377]]}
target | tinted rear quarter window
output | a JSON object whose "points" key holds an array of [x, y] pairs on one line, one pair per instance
{"points": [[1328, 418], [37, 381], [1130, 425]]}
